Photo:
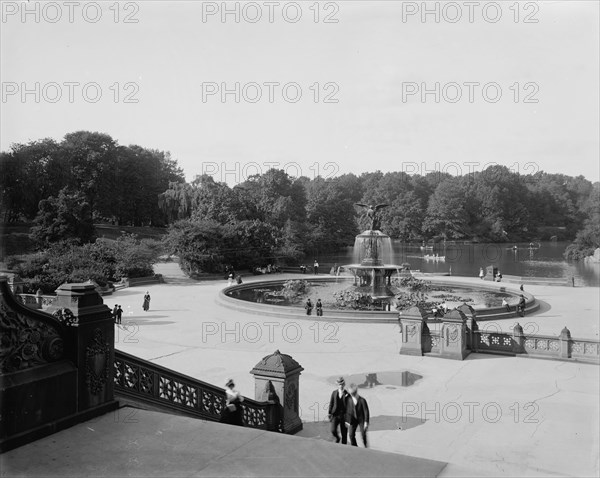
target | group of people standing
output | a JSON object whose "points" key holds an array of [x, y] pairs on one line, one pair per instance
{"points": [[497, 275], [347, 412], [309, 307], [232, 278], [117, 314]]}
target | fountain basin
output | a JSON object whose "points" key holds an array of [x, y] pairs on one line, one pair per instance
{"points": [[227, 297]]}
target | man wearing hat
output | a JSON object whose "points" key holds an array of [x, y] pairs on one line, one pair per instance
{"points": [[357, 415], [337, 411]]}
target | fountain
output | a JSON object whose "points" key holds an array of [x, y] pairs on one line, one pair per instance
{"points": [[371, 296], [372, 250]]}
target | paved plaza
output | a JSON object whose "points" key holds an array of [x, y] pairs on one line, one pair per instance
{"points": [[489, 414]]}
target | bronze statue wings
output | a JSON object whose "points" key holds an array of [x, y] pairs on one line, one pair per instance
{"points": [[375, 208]]}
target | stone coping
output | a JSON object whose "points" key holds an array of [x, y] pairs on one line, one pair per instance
{"points": [[339, 315]]}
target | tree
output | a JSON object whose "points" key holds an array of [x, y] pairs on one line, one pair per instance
{"points": [[587, 239], [198, 245], [330, 215], [446, 214], [63, 217]]}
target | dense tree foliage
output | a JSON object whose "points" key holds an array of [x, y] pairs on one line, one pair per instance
{"points": [[308, 217], [274, 218], [64, 217], [587, 239], [119, 183]]}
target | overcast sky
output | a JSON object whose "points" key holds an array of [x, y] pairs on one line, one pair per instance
{"points": [[361, 69]]}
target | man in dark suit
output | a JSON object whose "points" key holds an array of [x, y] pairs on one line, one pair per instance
{"points": [[337, 411], [357, 414]]}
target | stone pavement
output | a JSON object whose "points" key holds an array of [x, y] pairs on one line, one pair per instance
{"points": [[485, 416], [132, 442]]}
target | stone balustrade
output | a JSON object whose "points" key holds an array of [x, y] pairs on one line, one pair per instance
{"points": [[459, 335]]}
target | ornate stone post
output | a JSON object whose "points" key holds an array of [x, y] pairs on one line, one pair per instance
{"points": [[454, 335], [92, 337], [565, 343], [277, 377], [412, 323], [16, 284], [518, 339], [472, 327]]}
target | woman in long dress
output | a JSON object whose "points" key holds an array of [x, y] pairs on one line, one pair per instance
{"points": [[232, 412], [146, 305]]}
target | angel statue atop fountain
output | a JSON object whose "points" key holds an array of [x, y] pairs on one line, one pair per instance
{"points": [[371, 213]]}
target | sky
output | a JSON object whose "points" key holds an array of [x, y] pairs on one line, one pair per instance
{"points": [[232, 89]]}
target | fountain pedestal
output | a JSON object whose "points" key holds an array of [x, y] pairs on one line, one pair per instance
{"points": [[371, 275]]}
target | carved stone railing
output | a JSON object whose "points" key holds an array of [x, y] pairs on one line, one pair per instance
{"points": [[37, 301], [542, 345], [55, 365], [175, 392], [420, 336], [585, 350], [494, 342]]}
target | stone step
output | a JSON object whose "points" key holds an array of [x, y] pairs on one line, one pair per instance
{"points": [[133, 442]]}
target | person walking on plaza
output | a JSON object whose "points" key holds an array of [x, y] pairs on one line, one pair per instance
{"points": [[308, 307], [232, 411], [146, 305], [521, 306], [481, 273], [114, 313], [316, 267], [119, 314], [319, 308], [337, 411], [357, 415]]}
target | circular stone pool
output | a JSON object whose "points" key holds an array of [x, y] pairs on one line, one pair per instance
{"points": [[266, 297]]}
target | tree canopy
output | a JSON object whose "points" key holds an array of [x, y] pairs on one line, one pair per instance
{"points": [[275, 218]]}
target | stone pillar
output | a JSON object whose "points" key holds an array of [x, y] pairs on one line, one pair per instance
{"points": [[472, 327], [277, 377], [92, 342], [565, 343], [454, 336], [518, 339], [411, 327], [39, 298]]}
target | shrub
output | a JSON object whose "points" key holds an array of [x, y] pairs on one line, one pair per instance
{"points": [[102, 261], [352, 298], [294, 289]]}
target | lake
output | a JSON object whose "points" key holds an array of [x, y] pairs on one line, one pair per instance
{"points": [[466, 259]]}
